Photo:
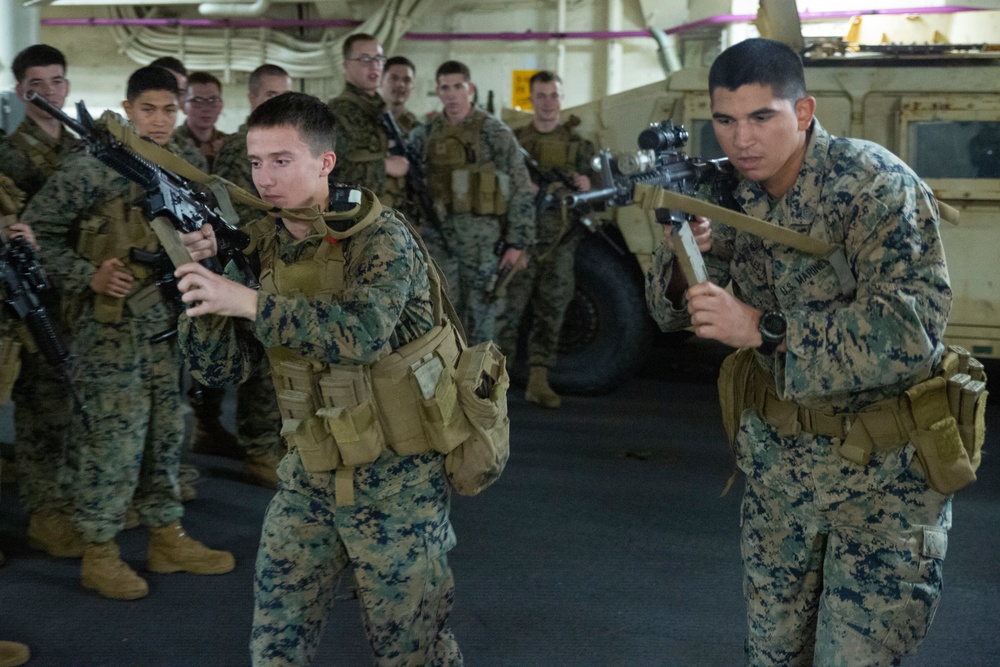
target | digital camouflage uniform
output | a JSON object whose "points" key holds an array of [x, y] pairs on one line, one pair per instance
{"points": [[396, 536], [547, 283], [467, 252], [362, 144], [843, 562], [183, 136], [129, 385], [42, 408]]}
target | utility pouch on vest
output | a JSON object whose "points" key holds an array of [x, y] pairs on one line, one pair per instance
{"points": [[316, 447], [350, 414], [486, 193], [482, 382], [461, 191], [108, 309], [937, 439], [737, 389], [444, 422], [10, 366]]}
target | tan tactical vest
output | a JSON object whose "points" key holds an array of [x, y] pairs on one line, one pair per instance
{"points": [[458, 176], [111, 231], [344, 415], [43, 156], [558, 149]]}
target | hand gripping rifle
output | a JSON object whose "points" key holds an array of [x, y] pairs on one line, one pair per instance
{"points": [[416, 179], [23, 286], [659, 164], [167, 195]]}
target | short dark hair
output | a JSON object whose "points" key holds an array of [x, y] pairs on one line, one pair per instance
{"points": [[400, 60], [354, 39], [203, 78], [544, 76], [453, 67], [307, 114], [36, 55], [759, 61], [171, 63], [267, 69], [151, 77]]}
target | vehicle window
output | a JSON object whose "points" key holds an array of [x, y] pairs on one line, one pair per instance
{"points": [[955, 149]]}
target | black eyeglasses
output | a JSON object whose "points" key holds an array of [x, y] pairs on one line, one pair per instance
{"points": [[205, 101], [368, 61]]}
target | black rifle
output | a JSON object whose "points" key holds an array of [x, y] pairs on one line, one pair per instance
{"points": [[658, 163], [416, 180], [24, 285], [166, 193]]}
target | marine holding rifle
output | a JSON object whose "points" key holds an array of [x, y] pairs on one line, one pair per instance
{"points": [[88, 224], [843, 536], [562, 160]]}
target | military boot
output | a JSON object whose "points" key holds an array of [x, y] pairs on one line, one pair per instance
{"points": [[171, 550], [538, 389], [262, 470], [13, 654], [53, 532], [104, 571]]}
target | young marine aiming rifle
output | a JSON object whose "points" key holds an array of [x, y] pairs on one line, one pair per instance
{"points": [[167, 195], [24, 286], [416, 180]]}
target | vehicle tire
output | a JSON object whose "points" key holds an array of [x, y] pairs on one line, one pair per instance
{"points": [[607, 331]]}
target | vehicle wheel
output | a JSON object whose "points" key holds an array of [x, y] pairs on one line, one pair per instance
{"points": [[607, 331]]}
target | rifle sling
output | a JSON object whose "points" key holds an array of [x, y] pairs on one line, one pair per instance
{"points": [[652, 197]]}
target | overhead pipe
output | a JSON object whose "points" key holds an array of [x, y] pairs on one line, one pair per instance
{"points": [[255, 8], [528, 35]]}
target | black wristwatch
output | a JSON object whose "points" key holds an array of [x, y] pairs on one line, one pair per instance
{"points": [[772, 328]]}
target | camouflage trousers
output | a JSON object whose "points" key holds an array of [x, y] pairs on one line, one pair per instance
{"points": [[44, 452], [396, 547], [468, 265], [845, 584], [258, 421], [133, 446], [547, 284]]}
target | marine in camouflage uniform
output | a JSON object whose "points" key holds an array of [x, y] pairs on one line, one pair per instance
{"points": [[480, 182], [842, 558], [43, 449], [547, 282], [395, 533], [362, 146], [85, 215], [185, 139]]}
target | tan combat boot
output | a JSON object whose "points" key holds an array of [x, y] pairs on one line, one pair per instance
{"points": [[53, 532], [262, 470], [104, 571], [538, 389], [13, 654], [171, 550]]}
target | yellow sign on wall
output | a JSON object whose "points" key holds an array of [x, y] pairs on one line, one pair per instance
{"points": [[521, 96]]}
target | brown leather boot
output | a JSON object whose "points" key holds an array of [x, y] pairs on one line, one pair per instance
{"points": [[13, 654], [53, 532], [538, 390], [104, 571], [262, 470], [171, 550]]}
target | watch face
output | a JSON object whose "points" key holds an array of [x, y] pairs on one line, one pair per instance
{"points": [[772, 324]]}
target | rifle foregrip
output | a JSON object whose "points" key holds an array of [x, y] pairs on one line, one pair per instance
{"points": [[46, 339]]}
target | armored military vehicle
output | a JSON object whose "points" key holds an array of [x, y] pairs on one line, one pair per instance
{"points": [[937, 107]]}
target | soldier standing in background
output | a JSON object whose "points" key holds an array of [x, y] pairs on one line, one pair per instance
{"points": [[397, 86], [43, 449], [479, 179], [547, 282], [202, 107], [258, 422], [843, 539], [362, 143], [87, 221], [176, 68], [337, 296]]}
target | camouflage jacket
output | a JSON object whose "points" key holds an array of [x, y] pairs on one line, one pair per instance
{"points": [[385, 304], [183, 136], [407, 122], [29, 155], [362, 143], [845, 351], [578, 153], [74, 193], [498, 146]]}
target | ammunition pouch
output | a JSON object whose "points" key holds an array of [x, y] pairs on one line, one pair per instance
{"points": [[479, 190], [10, 366], [944, 417]]}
